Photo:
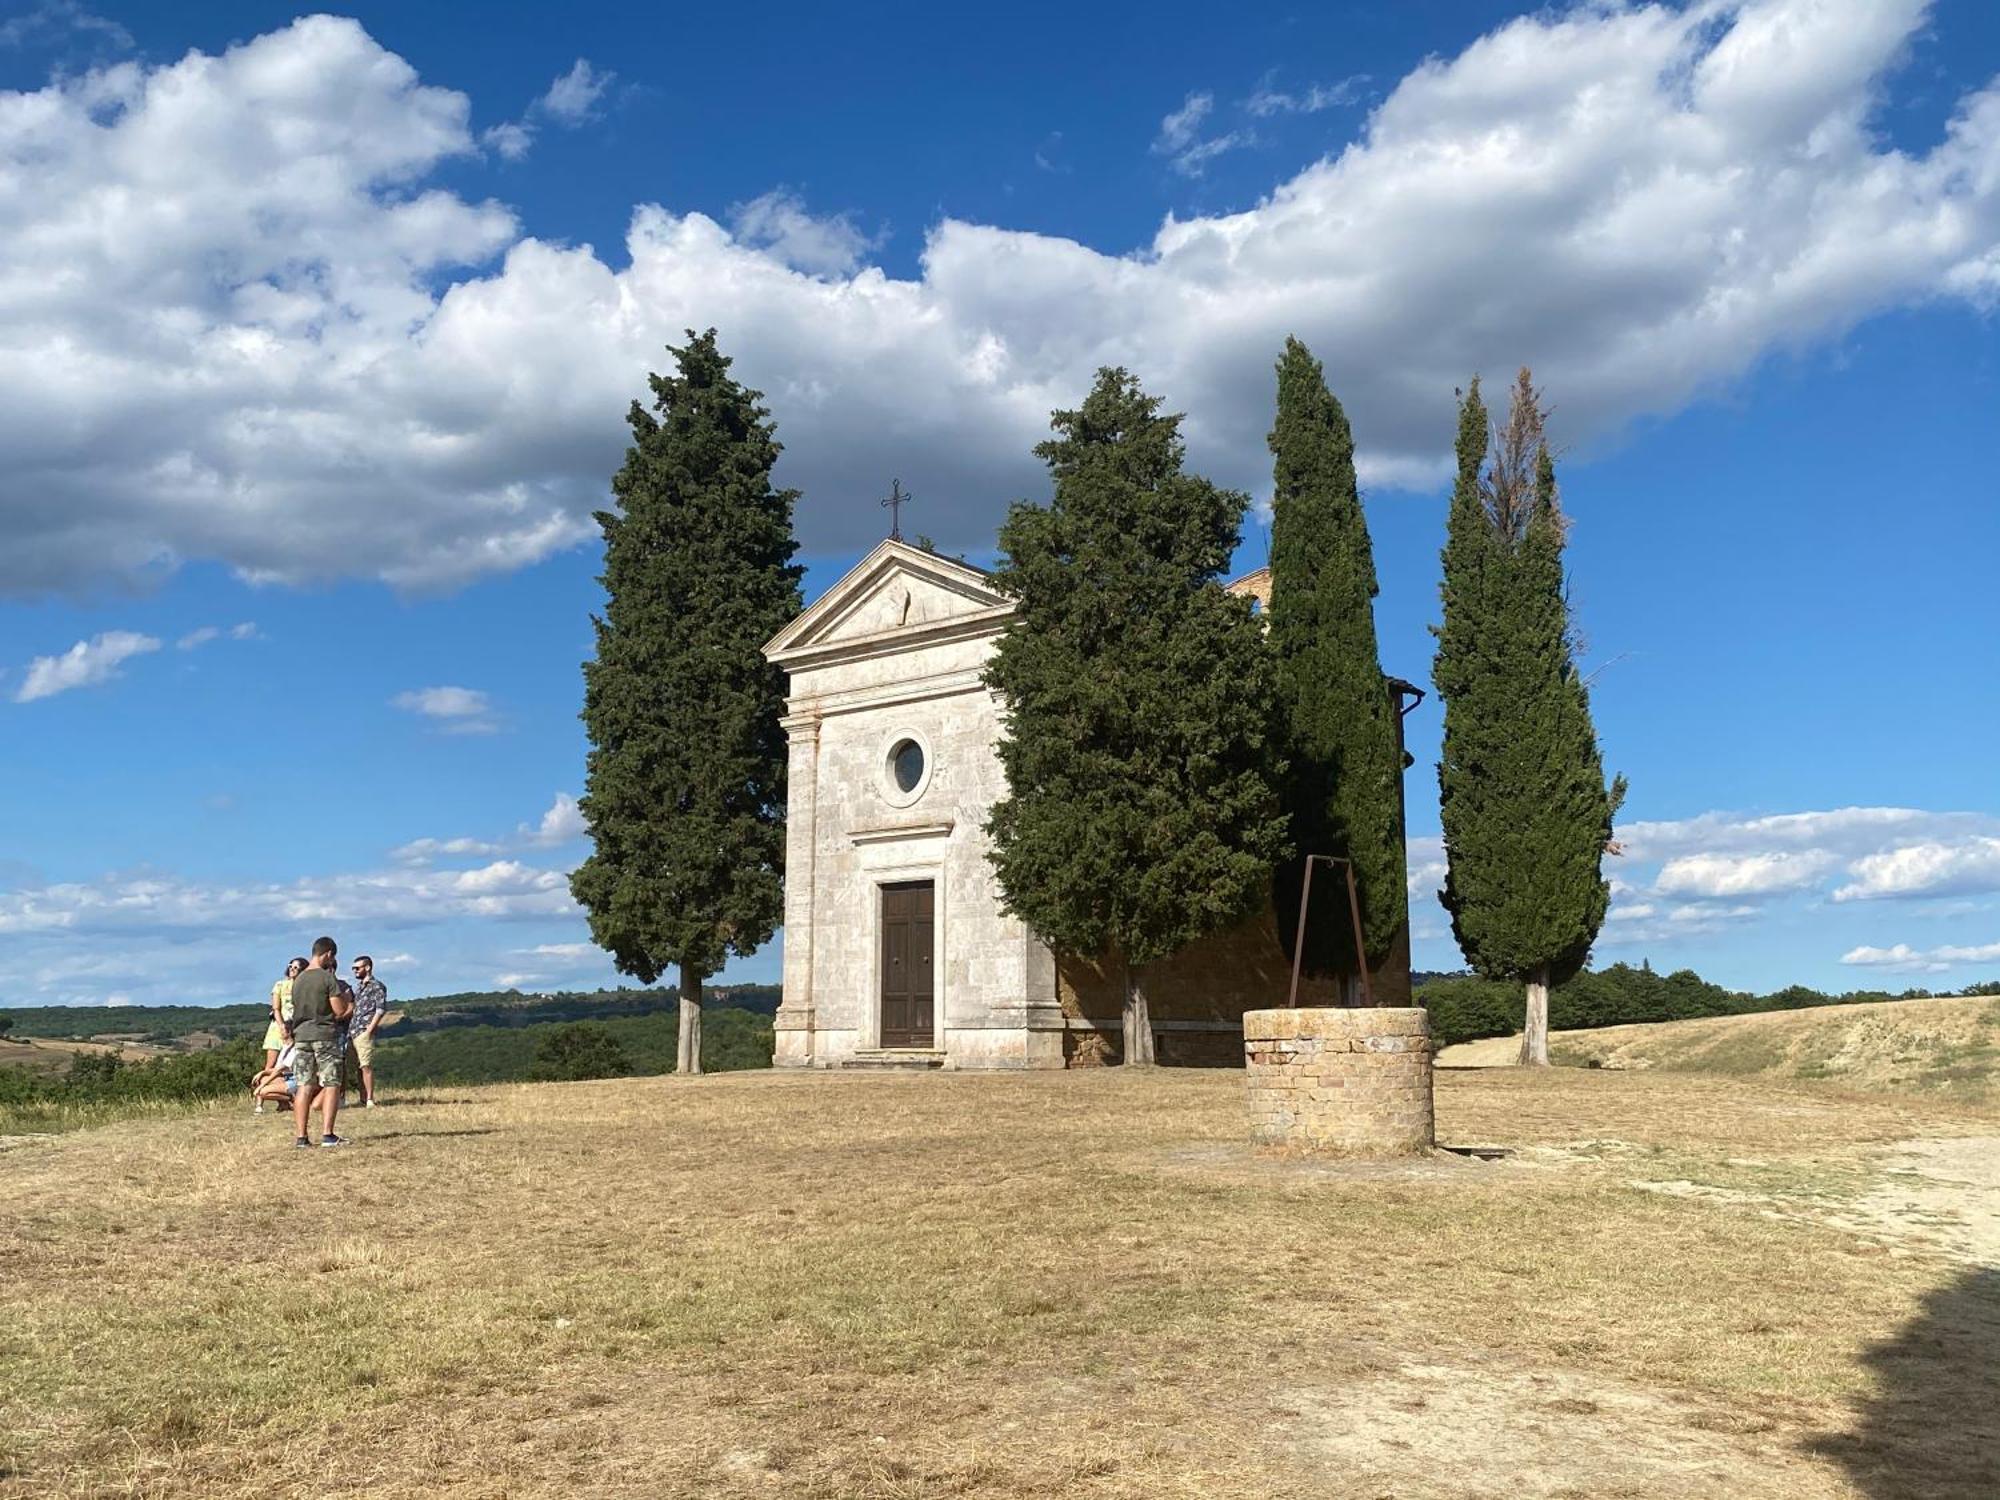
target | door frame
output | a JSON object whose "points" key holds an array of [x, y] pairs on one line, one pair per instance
{"points": [[902, 875]]}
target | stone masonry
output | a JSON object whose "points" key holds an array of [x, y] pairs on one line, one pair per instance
{"points": [[1346, 1082]]}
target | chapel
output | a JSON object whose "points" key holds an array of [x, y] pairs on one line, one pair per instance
{"points": [[898, 948]]}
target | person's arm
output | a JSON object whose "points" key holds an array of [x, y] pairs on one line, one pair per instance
{"points": [[341, 1006]]}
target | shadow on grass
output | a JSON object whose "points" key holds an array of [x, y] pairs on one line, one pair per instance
{"points": [[1931, 1430], [422, 1135]]}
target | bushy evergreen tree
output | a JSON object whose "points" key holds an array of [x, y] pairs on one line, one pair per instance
{"points": [[685, 791], [1139, 697], [1525, 810], [1344, 786]]}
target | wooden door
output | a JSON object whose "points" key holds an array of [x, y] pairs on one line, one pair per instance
{"points": [[908, 942]]}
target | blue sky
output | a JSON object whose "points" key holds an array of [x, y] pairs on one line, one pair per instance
{"points": [[316, 335]]}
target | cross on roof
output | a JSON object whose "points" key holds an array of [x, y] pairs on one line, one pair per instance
{"points": [[894, 505]]}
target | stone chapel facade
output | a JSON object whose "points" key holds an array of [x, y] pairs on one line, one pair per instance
{"points": [[898, 949]]}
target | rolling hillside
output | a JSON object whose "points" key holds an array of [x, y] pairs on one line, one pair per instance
{"points": [[1946, 1047]]}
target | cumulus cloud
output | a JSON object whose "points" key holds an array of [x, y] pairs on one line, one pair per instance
{"points": [[561, 824], [233, 288], [83, 665], [1762, 874], [780, 223], [55, 21], [125, 904], [1922, 960], [455, 710], [572, 99], [1958, 867]]}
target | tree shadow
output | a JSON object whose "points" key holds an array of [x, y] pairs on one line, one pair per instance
{"points": [[422, 1135], [1931, 1429]]}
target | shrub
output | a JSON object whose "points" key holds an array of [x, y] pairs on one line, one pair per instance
{"points": [[582, 1049]]}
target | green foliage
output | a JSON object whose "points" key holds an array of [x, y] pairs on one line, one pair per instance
{"points": [[1464, 1008], [685, 796], [581, 1049], [6, 1023], [731, 1039], [1525, 810], [1344, 786], [30, 1099], [1139, 696], [159, 1025]]}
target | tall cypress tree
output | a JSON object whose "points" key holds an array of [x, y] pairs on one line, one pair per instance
{"points": [[685, 789], [1525, 809], [1344, 785], [1139, 700]]}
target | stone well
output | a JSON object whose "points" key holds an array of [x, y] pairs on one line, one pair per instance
{"points": [[1347, 1082]]}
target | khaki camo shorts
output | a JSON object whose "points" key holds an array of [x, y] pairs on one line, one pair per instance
{"points": [[317, 1062]]}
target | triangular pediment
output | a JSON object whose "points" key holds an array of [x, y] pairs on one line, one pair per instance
{"points": [[896, 596]]}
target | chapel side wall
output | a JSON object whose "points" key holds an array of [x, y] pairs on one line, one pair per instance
{"points": [[1211, 983]]}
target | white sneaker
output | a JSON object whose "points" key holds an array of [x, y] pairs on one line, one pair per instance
{"points": [[258, 1110], [369, 1105]]}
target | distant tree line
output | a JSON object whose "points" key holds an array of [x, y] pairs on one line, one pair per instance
{"points": [[1464, 1008]]}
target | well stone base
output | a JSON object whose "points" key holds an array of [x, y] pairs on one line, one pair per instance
{"points": [[1347, 1082]]}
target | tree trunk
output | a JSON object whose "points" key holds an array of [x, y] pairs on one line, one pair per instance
{"points": [[1138, 1021], [1535, 1034], [689, 1061]]}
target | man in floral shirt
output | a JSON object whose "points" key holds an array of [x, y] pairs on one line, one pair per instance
{"points": [[371, 999]]}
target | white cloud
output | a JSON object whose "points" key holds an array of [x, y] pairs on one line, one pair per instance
{"points": [[456, 710], [222, 333], [572, 99], [202, 635], [504, 889], [1267, 101], [428, 851], [83, 665], [1763, 874], [512, 139], [55, 21], [566, 950], [1181, 142], [561, 823], [1948, 868], [779, 223], [1929, 960], [1182, 128]]}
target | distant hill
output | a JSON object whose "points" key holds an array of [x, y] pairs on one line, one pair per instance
{"points": [[1948, 1047], [192, 1027]]}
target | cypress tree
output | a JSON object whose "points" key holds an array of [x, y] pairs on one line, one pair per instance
{"points": [[1141, 811], [1344, 786], [1525, 809], [685, 787]]}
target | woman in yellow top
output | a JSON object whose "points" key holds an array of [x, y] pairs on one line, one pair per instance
{"points": [[281, 1013]]}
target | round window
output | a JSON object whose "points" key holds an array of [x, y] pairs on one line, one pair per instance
{"points": [[906, 765]]}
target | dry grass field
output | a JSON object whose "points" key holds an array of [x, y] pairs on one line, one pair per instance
{"points": [[1073, 1284], [43, 1054], [1949, 1047]]}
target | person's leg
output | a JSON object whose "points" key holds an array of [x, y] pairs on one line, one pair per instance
{"points": [[302, 1105], [329, 1106], [367, 1083]]}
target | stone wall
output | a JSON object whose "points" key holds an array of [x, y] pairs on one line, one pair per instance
{"points": [[1348, 1082]]}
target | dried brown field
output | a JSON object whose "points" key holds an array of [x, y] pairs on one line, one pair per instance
{"points": [[1074, 1284]]}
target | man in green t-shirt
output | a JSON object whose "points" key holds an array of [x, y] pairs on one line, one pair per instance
{"points": [[318, 1011]]}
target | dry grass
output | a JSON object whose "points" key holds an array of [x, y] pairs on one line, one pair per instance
{"points": [[1071, 1284], [1947, 1047]]}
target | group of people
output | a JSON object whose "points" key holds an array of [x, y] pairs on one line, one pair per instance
{"points": [[317, 1020]]}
